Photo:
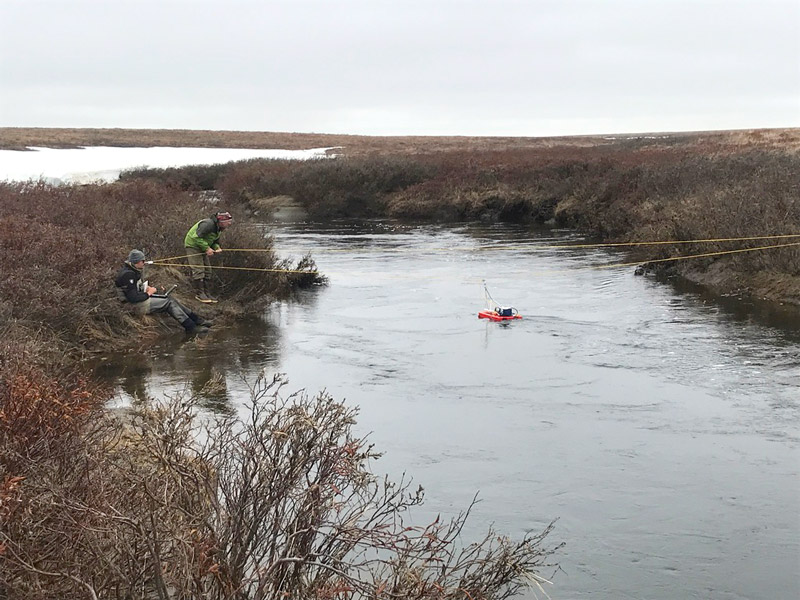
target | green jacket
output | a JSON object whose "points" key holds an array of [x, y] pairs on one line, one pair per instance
{"points": [[203, 235]]}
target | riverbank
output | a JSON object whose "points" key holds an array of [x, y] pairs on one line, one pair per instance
{"points": [[615, 188], [145, 499], [62, 246], [647, 188], [161, 501]]}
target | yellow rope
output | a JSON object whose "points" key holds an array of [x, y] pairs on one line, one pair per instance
{"points": [[674, 258], [161, 260], [160, 264], [569, 246], [165, 262], [536, 247], [620, 244]]}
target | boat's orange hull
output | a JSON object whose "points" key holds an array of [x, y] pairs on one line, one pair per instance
{"points": [[493, 316]]}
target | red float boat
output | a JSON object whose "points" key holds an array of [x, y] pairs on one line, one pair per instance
{"points": [[494, 316], [495, 312]]}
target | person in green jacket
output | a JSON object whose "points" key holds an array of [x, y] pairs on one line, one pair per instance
{"points": [[201, 243]]}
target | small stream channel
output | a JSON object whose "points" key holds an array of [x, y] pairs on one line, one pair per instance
{"points": [[660, 426]]}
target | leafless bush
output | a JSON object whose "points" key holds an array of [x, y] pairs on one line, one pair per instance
{"points": [[63, 245], [171, 504]]}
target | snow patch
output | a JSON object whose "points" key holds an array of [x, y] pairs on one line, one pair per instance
{"points": [[105, 163]]}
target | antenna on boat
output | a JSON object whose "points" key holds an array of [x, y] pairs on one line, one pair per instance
{"points": [[494, 310]]}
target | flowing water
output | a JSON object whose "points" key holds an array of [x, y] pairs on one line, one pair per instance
{"points": [[659, 426]]}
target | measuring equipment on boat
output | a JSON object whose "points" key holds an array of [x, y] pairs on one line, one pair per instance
{"points": [[494, 311], [494, 316]]}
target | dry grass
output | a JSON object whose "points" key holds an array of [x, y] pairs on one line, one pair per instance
{"points": [[166, 504], [626, 187], [64, 245], [18, 138]]}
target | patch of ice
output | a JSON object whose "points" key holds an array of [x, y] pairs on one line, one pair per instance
{"points": [[105, 163]]}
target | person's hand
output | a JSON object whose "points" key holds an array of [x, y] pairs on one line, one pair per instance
{"points": [[218, 250], [210, 252], [150, 290]]}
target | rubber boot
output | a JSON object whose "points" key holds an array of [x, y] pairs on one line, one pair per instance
{"points": [[211, 298], [200, 320], [200, 291], [191, 327]]}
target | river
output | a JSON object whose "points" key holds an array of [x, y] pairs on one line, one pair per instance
{"points": [[658, 425]]}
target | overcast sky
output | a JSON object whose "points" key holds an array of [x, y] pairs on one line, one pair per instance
{"points": [[403, 67]]}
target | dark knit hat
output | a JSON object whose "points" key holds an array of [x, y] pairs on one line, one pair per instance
{"points": [[135, 256]]}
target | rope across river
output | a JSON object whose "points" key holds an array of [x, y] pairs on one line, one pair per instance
{"points": [[171, 261]]}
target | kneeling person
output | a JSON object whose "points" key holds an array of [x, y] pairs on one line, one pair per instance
{"points": [[131, 289]]}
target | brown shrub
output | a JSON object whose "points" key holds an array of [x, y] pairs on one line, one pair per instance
{"points": [[166, 504], [63, 245], [42, 402], [680, 187]]}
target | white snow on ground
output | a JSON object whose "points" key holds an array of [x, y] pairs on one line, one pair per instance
{"points": [[103, 163]]}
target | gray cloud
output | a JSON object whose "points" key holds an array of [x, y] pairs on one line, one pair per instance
{"points": [[404, 67]]}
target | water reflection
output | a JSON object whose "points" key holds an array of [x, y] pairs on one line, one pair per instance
{"points": [[131, 375], [784, 320], [210, 367], [660, 426]]}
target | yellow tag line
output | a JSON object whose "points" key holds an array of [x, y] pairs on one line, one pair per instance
{"points": [[665, 242], [165, 261], [528, 247], [162, 260], [670, 259], [169, 264], [555, 246], [720, 253]]}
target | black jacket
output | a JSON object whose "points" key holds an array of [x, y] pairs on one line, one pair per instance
{"points": [[128, 285]]}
